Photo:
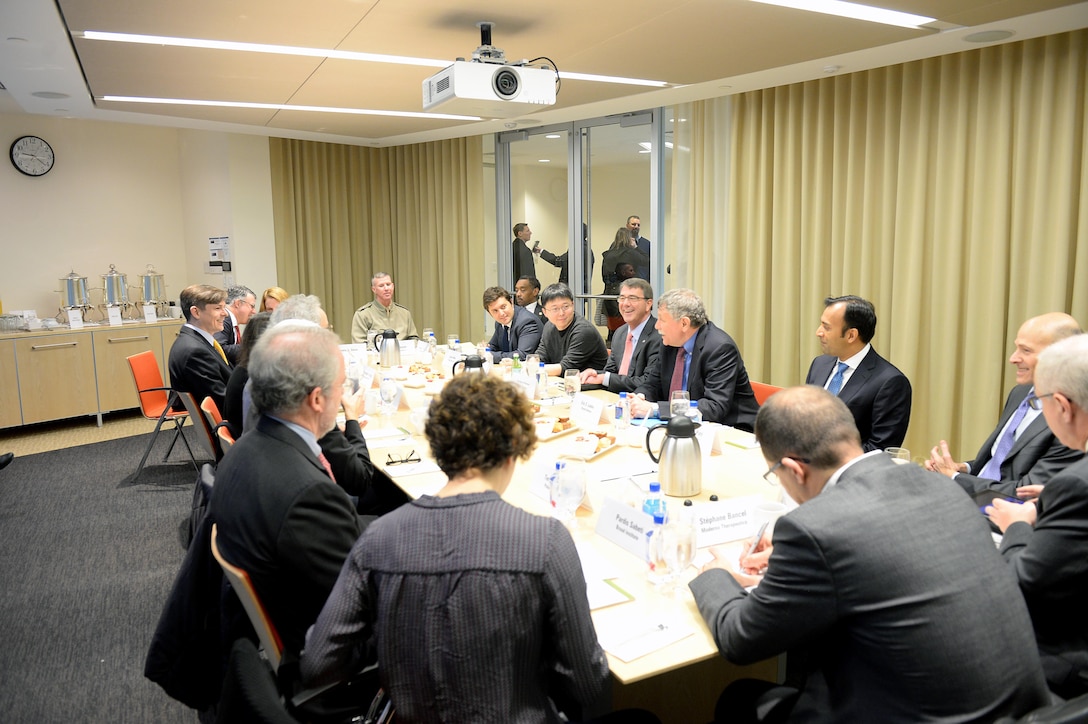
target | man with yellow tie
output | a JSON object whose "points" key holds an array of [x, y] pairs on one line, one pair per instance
{"points": [[198, 364]]}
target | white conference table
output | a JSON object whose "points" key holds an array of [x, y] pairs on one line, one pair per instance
{"points": [[736, 472]]}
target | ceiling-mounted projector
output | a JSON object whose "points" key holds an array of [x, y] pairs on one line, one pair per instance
{"points": [[488, 86]]}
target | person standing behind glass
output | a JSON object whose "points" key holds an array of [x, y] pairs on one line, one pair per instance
{"points": [[461, 582]]}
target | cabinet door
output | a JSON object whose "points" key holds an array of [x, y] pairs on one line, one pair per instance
{"points": [[10, 412], [56, 376], [112, 347]]}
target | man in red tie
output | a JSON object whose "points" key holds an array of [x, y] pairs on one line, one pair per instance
{"points": [[241, 304], [280, 514], [636, 345], [700, 358]]}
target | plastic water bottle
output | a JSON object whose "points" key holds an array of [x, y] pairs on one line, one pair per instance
{"points": [[623, 412], [693, 412], [432, 345], [541, 381], [517, 363], [653, 503], [658, 572]]}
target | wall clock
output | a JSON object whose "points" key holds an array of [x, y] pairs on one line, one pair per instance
{"points": [[32, 155]]}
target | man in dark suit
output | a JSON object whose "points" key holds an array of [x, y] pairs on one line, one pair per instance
{"points": [[1045, 541], [241, 304], [527, 294], [1021, 454], [636, 354], [894, 632], [281, 516], [516, 329], [875, 391], [634, 225], [198, 364], [698, 357], [524, 262]]}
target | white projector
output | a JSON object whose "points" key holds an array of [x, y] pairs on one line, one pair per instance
{"points": [[489, 90]]}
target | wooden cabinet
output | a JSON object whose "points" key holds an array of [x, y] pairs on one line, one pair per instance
{"points": [[112, 347], [56, 374], [56, 377], [10, 412]]}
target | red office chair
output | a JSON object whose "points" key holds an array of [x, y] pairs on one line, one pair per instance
{"points": [[155, 404], [763, 391]]}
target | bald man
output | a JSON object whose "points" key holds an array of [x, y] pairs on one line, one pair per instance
{"points": [[1022, 453]]}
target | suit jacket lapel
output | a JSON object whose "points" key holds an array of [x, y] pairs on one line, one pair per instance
{"points": [[860, 376]]}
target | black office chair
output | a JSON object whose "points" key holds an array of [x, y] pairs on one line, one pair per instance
{"points": [[1074, 711]]}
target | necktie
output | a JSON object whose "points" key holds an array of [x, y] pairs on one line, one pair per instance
{"points": [[677, 382], [237, 335], [325, 462], [625, 365], [505, 339], [219, 349], [992, 469], [836, 381]]}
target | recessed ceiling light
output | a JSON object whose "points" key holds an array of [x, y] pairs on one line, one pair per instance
{"points": [[854, 10], [285, 107], [322, 53], [988, 36], [51, 95], [553, 135], [544, 160]]}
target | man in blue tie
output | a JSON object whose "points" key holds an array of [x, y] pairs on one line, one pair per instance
{"points": [[1022, 453], [516, 328], [876, 392]]}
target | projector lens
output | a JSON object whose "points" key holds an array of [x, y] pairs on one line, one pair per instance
{"points": [[506, 83]]}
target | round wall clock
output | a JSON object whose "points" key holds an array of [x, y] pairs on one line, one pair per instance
{"points": [[32, 155]]}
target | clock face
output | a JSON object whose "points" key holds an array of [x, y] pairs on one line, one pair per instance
{"points": [[32, 155]]}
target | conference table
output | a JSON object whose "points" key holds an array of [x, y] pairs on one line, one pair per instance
{"points": [[677, 679]]}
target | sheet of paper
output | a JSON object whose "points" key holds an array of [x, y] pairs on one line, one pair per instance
{"points": [[637, 634], [426, 466], [602, 594]]}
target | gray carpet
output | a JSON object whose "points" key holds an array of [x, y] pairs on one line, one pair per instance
{"points": [[87, 558]]}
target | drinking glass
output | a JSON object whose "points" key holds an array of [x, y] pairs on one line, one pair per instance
{"points": [[679, 544], [568, 487], [572, 383], [388, 390], [679, 403], [453, 342], [427, 332], [900, 455]]}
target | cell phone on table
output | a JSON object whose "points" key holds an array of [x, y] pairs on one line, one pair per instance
{"points": [[986, 497]]}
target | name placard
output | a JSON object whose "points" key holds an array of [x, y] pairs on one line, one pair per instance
{"points": [[624, 526], [114, 315], [725, 520], [366, 377], [150, 316], [75, 319], [586, 411]]}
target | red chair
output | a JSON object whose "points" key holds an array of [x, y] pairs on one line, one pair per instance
{"points": [[763, 391], [155, 404]]}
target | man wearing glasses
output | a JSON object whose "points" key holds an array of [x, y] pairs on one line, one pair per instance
{"points": [[241, 303], [1044, 541], [636, 346], [885, 575], [1022, 452], [569, 341]]}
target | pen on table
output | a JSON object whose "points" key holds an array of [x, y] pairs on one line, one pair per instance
{"points": [[759, 537]]}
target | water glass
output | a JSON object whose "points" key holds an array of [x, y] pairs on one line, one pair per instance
{"points": [[679, 403], [900, 455], [388, 390], [572, 383], [679, 548], [453, 342], [568, 487]]}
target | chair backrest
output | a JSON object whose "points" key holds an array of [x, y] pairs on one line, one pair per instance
{"points": [[214, 420], [148, 379], [763, 391], [243, 587], [200, 423]]}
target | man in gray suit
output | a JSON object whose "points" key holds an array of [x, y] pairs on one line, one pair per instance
{"points": [[1045, 541], [859, 575], [1021, 454], [636, 345]]}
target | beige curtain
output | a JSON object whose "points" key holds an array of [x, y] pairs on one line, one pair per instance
{"points": [[952, 192], [343, 213]]}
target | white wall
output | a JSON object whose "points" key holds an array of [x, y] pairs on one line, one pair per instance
{"points": [[130, 195]]}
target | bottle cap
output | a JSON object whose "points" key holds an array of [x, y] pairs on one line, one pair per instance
{"points": [[655, 487], [623, 395], [659, 518]]}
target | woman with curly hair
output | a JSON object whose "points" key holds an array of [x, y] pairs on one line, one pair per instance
{"points": [[477, 609]]}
